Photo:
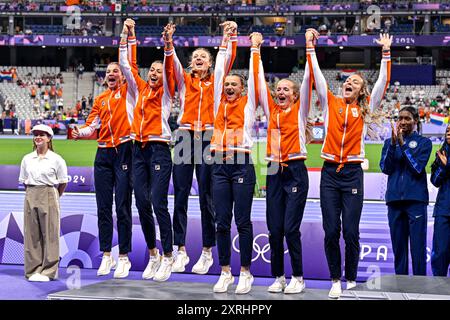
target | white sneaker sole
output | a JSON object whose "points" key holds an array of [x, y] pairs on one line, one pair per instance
{"points": [[124, 274], [203, 271], [181, 269], [225, 288], [165, 278], [147, 276], [104, 273], [275, 290], [293, 291], [246, 290], [334, 295]]}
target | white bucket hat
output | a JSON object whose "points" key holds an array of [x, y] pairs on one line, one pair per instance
{"points": [[44, 128]]}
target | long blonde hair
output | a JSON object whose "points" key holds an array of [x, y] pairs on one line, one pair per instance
{"points": [[370, 118]]}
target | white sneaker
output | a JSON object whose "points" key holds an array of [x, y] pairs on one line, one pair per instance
{"points": [[245, 283], [204, 263], [123, 268], [226, 278], [153, 264], [278, 285], [37, 277], [107, 264], [351, 284], [165, 269], [336, 290], [296, 285], [181, 261]]}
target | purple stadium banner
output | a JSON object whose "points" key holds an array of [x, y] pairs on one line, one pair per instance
{"points": [[213, 41]]}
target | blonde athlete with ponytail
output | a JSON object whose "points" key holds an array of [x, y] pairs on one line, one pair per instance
{"points": [[341, 185]]}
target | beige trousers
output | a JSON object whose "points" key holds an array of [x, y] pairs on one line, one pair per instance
{"points": [[41, 231]]}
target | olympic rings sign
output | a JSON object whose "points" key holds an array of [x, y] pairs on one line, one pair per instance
{"points": [[260, 250]]}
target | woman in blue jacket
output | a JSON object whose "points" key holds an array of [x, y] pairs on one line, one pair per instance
{"points": [[440, 177], [404, 158]]}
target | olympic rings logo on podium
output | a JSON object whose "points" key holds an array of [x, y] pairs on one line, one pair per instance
{"points": [[260, 249]]}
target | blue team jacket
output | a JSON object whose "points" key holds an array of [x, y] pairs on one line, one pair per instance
{"points": [[440, 178], [405, 167]]}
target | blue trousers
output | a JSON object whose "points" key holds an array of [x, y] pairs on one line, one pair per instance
{"points": [[152, 166], [408, 222], [287, 191], [440, 255], [112, 174], [192, 151], [341, 193], [233, 187]]}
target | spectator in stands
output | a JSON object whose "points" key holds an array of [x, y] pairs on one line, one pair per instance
{"points": [[404, 158], [80, 70], [14, 123], [83, 103], [341, 186], [90, 100], [440, 178], [1, 123], [40, 172], [421, 94]]}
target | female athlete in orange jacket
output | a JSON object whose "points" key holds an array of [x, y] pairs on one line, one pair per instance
{"points": [[341, 185], [196, 118], [287, 176], [152, 161]]}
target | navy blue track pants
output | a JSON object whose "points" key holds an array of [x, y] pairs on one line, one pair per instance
{"points": [[112, 174], [152, 166], [233, 187], [192, 151], [287, 191], [342, 193], [440, 255]]}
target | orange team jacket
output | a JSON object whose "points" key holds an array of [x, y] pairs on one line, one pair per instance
{"points": [[344, 124], [196, 95], [286, 137], [234, 120], [113, 111], [152, 110]]}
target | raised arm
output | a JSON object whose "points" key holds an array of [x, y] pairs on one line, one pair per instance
{"points": [[306, 93], [124, 61], [384, 77], [253, 83], [225, 56], [132, 55], [317, 75], [264, 97], [171, 62]]}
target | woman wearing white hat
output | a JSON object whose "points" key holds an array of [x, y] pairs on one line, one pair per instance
{"points": [[44, 175]]}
